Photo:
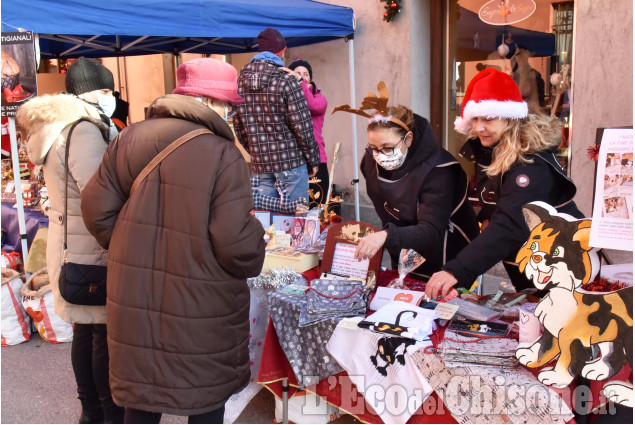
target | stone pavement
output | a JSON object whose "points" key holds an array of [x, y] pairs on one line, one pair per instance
{"points": [[38, 387]]}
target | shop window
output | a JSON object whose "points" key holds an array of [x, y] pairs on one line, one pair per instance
{"points": [[531, 40]]}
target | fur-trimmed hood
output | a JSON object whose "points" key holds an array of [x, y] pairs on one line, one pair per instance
{"points": [[45, 117]]}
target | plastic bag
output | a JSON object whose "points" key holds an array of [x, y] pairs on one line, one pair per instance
{"points": [[16, 324], [409, 260], [39, 305]]}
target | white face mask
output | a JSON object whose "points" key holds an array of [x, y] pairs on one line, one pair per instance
{"points": [[394, 161], [107, 103], [391, 162]]}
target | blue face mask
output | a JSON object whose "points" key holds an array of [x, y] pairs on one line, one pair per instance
{"points": [[107, 103], [229, 113]]}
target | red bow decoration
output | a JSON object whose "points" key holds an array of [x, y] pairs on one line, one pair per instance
{"points": [[16, 94]]}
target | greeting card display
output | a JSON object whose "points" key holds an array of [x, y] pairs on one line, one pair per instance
{"points": [[339, 252], [264, 217], [304, 231]]}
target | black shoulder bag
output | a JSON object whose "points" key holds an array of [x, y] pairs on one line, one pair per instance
{"points": [[85, 284], [82, 284]]}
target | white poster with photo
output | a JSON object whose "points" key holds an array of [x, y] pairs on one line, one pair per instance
{"points": [[613, 208]]}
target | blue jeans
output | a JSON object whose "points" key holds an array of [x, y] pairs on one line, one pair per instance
{"points": [[292, 185]]}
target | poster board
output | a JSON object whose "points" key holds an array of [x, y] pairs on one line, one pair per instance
{"points": [[19, 82], [304, 231], [612, 225], [341, 241]]}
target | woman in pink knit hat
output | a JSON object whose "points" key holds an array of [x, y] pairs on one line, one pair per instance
{"points": [[180, 249], [515, 164]]}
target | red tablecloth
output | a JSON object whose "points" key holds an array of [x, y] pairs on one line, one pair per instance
{"points": [[337, 390]]}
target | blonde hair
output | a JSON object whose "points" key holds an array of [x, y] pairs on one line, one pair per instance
{"points": [[400, 112], [523, 137]]}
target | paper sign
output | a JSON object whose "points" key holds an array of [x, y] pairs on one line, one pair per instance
{"points": [[612, 225], [387, 295], [446, 311], [344, 262], [282, 239]]}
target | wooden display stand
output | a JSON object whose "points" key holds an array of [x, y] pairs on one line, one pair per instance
{"points": [[341, 241]]}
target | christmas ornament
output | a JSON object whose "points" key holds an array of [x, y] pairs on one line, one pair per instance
{"points": [[555, 78], [391, 7], [503, 50]]}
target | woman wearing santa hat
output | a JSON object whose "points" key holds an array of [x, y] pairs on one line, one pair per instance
{"points": [[513, 150]]}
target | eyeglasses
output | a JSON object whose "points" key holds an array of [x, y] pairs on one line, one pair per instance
{"points": [[388, 151]]}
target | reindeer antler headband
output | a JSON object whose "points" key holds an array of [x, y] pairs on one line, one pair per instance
{"points": [[379, 104]]}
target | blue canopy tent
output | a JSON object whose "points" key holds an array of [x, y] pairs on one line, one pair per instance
{"points": [[97, 28]]}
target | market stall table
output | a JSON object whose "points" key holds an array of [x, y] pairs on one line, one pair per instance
{"points": [[279, 377]]}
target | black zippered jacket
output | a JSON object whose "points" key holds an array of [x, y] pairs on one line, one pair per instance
{"points": [[502, 198], [422, 205]]}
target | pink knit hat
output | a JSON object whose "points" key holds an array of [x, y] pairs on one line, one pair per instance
{"points": [[491, 94], [208, 77]]}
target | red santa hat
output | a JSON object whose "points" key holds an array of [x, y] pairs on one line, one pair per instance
{"points": [[491, 94]]}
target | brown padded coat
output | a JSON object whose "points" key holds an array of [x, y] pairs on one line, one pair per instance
{"points": [[180, 250]]}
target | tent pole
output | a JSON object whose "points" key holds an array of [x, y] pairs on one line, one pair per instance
{"points": [[18, 189], [351, 61]]}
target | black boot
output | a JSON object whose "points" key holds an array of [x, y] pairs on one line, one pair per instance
{"points": [[113, 414], [91, 412]]}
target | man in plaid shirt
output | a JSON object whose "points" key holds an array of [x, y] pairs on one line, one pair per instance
{"points": [[274, 124]]}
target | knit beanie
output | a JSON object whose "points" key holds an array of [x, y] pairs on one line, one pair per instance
{"points": [[300, 62], [208, 77], [86, 75], [270, 40]]}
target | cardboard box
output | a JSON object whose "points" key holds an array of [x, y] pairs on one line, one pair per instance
{"points": [[289, 257]]}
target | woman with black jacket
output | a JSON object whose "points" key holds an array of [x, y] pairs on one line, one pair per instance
{"points": [[418, 190], [515, 164]]}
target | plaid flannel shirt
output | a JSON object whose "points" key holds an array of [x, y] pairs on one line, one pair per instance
{"points": [[275, 205], [274, 124]]}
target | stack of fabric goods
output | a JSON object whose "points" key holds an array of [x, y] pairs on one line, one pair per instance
{"points": [[458, 350], [402, 319], [333, 299]]}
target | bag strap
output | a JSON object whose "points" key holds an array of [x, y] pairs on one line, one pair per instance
{"points": [[365, 296], [68, 144], [165, 152]]}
